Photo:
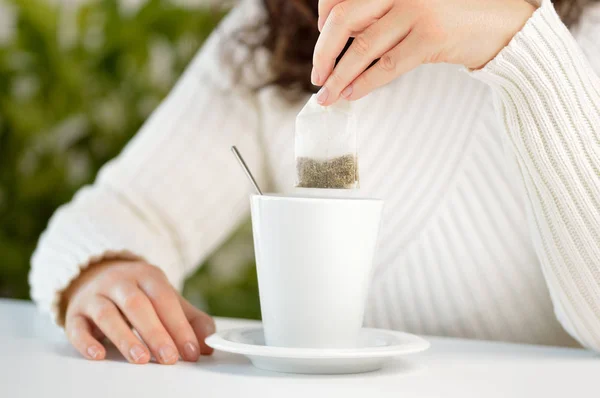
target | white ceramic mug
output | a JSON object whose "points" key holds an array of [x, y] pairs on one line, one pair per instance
{"points": [[314, 258]]}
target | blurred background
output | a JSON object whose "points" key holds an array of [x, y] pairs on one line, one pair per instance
{"points": [[77, 80]]}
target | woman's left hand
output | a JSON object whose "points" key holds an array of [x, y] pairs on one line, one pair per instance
{"points": [[404, 34]]}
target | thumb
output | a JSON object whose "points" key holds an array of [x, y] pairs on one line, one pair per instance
{"points": [[202, 324]]}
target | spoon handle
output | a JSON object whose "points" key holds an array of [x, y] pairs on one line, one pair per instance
{"points": [[240, 159]]}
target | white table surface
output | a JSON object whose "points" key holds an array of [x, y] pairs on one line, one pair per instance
{"points": [[36, 361]]}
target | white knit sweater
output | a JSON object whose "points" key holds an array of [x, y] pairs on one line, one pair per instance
{"points": [[491, 181]]}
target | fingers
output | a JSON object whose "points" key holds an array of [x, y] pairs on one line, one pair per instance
{"points": [[138, 309], [405, 56], [369, 45], [97, 333], [168, 308], [109, 320], [202, 324], [325, 7], [344, 19], [79, 333]]}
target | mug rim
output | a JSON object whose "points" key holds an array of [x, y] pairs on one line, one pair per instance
{"points": [[302, 198]]}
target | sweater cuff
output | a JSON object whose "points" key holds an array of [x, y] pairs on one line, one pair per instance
{"points": [[77, 238], [544, 39]]}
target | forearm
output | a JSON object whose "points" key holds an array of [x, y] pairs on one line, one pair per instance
{"points": [[170, 197], [548, 98], [94, 227]]}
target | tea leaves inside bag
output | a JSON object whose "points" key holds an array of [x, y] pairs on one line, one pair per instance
{"points": [[337, 173]]}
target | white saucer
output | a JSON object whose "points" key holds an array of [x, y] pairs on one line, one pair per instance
{"points": [[376, 347]]}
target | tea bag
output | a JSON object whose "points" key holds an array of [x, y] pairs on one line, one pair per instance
{"points": [[326, 149]]}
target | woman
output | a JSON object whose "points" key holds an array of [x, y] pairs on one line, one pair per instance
{"points": [[491, 174]]}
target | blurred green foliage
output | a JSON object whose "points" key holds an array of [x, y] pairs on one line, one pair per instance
{"points": [[76, 83]]}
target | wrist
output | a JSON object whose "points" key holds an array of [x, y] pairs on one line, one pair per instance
{"points": [[510, 21]]}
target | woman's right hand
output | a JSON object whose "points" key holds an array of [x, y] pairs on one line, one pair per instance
{"points": [[111, 297]]}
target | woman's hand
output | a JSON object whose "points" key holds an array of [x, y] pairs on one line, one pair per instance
{"points": [[110, 298], [405, 34]]}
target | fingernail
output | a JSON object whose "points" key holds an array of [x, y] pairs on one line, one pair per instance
{"points": [[314, 77], [137, 353], [322, 95], [347, 91], [209, 328], [191, 350], [167, 354], [94, 352]]}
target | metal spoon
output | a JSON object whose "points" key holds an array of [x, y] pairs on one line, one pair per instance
{"points": [[240, 159]]}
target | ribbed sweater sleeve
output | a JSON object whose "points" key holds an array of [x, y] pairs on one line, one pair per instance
{"points": [[175, 192], [547, 96]]}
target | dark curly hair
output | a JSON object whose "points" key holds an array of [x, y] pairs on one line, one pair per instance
{"points": [[291, 33]]}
